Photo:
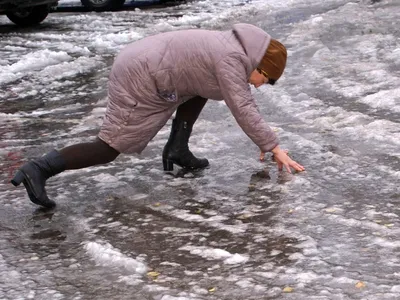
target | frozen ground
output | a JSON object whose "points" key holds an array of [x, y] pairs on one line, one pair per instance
{"points": [[128, 231]]}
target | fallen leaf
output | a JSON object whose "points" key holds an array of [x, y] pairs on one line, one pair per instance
{"points": [[290, 211], [244, 216], [288, 289], [330, 210], [153, 274], [360, 285], [212, 290], [389, 225], [157, 204]]}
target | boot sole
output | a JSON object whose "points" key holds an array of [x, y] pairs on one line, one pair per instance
{"points": [[169, 166]]}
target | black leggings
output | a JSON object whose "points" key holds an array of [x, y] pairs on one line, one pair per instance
{"points": [[88, 154], [98, 152], [190, 110]]}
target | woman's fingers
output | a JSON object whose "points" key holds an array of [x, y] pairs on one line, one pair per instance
{"points": [[297, 166], [288, 168], [262, 156], [290, 164], [283, 160]]}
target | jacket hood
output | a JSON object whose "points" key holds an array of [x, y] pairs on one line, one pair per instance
{"points": [[254, 40]]}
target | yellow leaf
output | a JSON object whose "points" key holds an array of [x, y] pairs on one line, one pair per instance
{"points": [[360, 285], [153, 274], [378, 221], [244, 216], [212, 290], [288, 289], [389, 225], [198, 211], [290, 211], [330, 210], [157, 204]]}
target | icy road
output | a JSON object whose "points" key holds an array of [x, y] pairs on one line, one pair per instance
{"points": [[239, 230]]}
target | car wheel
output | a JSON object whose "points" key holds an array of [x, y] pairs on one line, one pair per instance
{"points": [[29, 16], [103, 5]]}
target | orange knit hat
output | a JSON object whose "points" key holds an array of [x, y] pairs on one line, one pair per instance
{"points": [[274, 60]]}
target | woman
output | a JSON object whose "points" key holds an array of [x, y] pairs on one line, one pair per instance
{"points": [[153, 77]]}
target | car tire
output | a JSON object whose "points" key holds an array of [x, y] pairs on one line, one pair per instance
{"points": [[103, 5], [29, 16]]}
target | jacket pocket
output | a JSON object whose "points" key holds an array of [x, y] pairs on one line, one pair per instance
{"points": [[165, 86], [120, 113], [169, 96]]}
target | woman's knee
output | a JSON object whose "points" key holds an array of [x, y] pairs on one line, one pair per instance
{"points": [[109, 153]]}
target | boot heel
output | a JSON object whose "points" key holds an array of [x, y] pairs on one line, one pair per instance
{"points": [[18, 178], [168, 165]]}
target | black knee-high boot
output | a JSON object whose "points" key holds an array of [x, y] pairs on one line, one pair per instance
{"points": [[34, 174], [176, 151]]}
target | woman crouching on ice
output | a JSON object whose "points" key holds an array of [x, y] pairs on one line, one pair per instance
{"points": [[174, 71]]}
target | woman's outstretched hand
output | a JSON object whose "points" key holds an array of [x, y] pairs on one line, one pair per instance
{"points": [[283, 160]]}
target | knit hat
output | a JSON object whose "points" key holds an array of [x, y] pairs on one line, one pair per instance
{"points": [[274, 60]]}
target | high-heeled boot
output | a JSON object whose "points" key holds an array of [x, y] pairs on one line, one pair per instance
{"points": [[176, 151], [34, 175]]}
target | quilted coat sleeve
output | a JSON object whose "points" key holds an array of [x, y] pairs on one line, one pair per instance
{"points": [[232, 80]]}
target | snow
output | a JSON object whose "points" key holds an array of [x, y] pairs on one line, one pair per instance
{"points": [[217, 254], [107, 256]]}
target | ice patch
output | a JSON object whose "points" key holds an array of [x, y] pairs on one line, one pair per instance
{"points": [[105, 178], [112, 40], [106, 255], [386, 243], [39, 59], [167, 297], [236, 259], [30, 62], [213, 222], [132, 280], [395, 289], [379, 130], [72, 68], [216, 254], [386, 99]]}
